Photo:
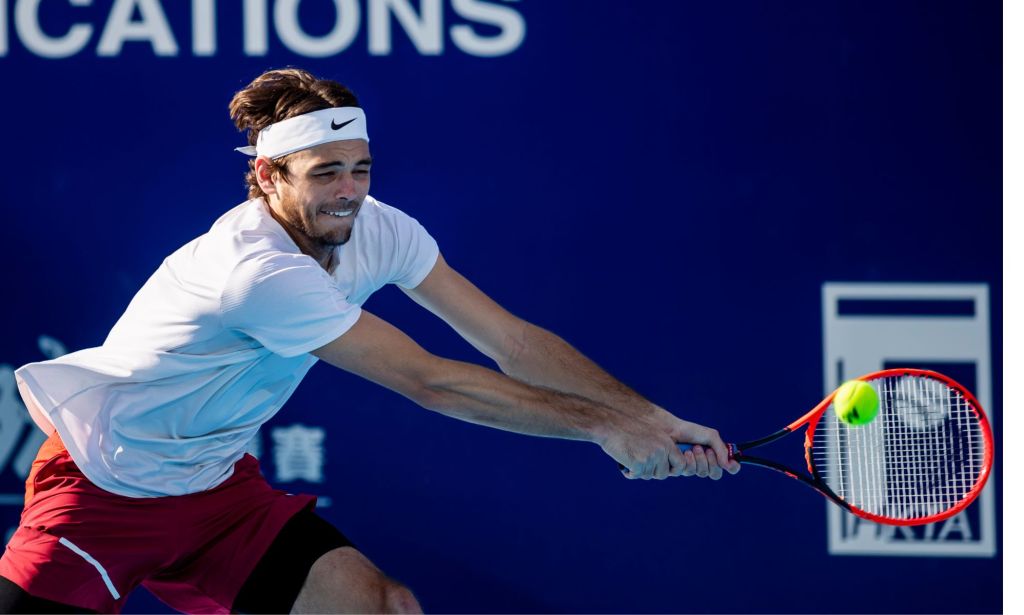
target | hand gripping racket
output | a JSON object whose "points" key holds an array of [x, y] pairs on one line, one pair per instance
{"points": [[924, 458]]}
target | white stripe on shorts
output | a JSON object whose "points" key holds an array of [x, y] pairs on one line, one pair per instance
{"points": [[103, 572]]}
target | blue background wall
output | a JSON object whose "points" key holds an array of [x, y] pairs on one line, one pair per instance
{"points": [[666, 184]]}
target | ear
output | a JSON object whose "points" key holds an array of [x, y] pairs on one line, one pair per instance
{"points": [[265, 176]]}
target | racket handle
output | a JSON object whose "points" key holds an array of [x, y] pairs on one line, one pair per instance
{"points": [[733, 449], [685, 447]]}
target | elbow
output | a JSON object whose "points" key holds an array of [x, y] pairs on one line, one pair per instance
{"points": [[432, 398], [425, 382]]}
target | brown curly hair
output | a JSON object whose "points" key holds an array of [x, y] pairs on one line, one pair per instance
{"points": [[278, 95]]}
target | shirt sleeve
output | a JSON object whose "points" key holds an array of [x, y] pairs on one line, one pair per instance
{"points": [[286, 302], [415, 254]]}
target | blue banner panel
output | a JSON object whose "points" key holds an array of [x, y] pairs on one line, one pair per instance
{"points": [[666, 185]]}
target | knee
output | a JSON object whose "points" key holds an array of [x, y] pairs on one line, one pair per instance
{"points": [[398, 599], [344, 580]]}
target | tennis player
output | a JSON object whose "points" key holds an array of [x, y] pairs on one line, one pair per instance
{"points": [[144, 478]]}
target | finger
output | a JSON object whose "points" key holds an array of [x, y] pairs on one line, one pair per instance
{"points": [[677, 461], [657, 466], [663, 469], [646, 474], [733, 466], [709, 438], [718, 445], [689, 464], [645, 470], [702, 461], [714, 470]]}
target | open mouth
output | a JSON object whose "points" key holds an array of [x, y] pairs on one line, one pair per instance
{"points": [[340, 214]]}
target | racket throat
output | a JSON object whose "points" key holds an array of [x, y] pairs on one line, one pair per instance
{"points": [[737, 449], [806, 480]]}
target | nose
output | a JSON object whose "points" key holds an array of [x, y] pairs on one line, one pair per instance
{"points": [[345, 187]]}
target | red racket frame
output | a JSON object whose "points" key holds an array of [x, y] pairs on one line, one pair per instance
{"points": [[815, 482]]}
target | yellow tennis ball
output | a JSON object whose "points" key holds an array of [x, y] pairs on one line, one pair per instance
{"points": [[856, 403]]}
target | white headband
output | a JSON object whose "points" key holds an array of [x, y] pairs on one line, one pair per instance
{"points": [[309, 130]]}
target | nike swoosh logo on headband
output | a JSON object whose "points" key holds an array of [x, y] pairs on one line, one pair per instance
{"points": [[341, 125]]}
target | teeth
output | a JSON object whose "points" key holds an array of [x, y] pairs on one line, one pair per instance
{"points": [[340, 214]]}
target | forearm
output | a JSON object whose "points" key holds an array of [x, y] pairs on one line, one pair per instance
{"points": [[638, 435], [644, 443], [540, 357], [479, 395], [379, 352]]}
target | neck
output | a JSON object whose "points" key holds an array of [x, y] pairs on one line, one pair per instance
{"points": [[322, 254]]}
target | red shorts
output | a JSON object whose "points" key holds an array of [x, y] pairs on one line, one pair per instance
{"points": [[82, 546]]}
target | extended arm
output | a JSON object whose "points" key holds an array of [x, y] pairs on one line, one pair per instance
{"points": [[536, 356], [376, 350]]}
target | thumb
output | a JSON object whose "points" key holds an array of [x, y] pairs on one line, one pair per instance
{"points": [[698, 434]]}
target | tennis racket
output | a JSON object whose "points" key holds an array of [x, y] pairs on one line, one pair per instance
{"points": [[924, 458]]}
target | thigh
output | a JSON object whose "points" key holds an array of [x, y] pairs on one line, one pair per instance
{"points": [[223, 534], [280, 574], [77, 544]]}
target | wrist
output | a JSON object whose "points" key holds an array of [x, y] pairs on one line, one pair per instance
{"points": [[599, 433], [609, 423]]}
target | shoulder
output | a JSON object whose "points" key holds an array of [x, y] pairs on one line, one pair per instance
{"points": [[249, 227], [270, 284], [245, 239], [258, 251], [242, 234]]}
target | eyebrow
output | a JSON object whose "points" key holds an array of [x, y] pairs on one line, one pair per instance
{"points": [[339, 163]]}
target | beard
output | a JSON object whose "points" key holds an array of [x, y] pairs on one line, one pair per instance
{"points": [[303, 219]]}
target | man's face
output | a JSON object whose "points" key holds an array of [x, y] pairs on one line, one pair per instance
{"points": [[325, 188]]}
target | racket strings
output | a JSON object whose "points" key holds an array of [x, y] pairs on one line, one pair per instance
{"points": [[922, 455]]}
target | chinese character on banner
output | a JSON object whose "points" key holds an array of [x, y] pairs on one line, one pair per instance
{"points": [[299, 453], [19, 438], [13, 416]]}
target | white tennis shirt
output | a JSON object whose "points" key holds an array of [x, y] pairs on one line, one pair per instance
{"points": [[212, 346]]}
